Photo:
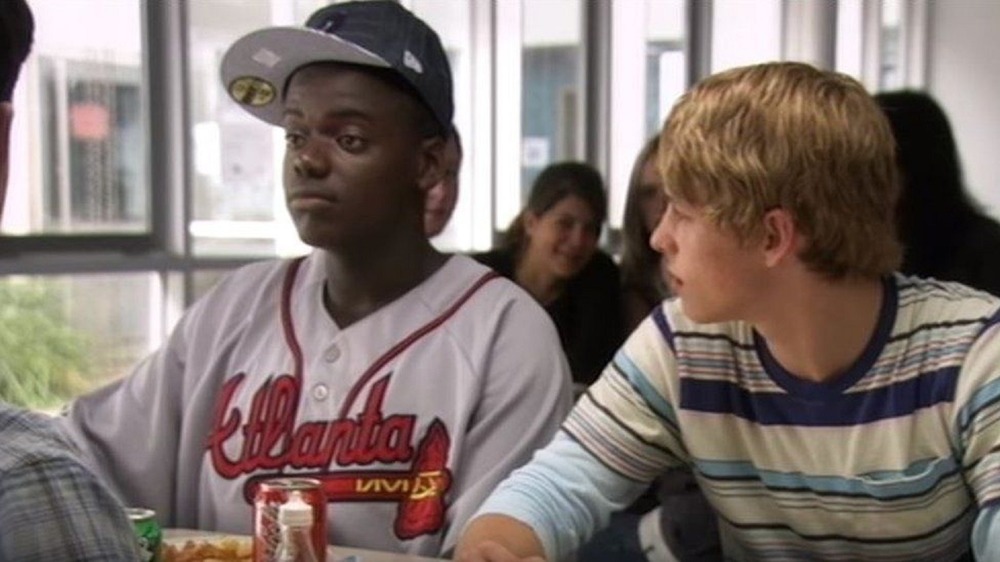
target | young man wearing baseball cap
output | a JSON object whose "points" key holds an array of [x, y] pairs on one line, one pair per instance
{"points": [[829, 407], [409, 383], [51, 506]]}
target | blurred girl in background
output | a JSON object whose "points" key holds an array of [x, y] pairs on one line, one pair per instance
{"points": [[642, 278], [551, 251]]}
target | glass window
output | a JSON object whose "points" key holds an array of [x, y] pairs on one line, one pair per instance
{"points": [[64, 335], [850, 42], [891, 75], [236, 180], [648, 73], [546, 125], [79, 139], [737, 42]]}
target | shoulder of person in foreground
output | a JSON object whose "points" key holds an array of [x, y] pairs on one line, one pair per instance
{"points": [[524, 390], [955, 331], [51, 507], [500, 260], [129, 429]]}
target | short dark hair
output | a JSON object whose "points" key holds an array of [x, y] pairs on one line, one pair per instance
{"points": [[16, 30]]}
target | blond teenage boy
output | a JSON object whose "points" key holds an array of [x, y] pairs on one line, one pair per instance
{"points": [[830, 408]]}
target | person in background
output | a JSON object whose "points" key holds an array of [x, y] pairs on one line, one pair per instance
{"points": [[408, 382], [945, 233], [51, 506], [443, 196], [830, 407], [643, 283], [551, 250]]}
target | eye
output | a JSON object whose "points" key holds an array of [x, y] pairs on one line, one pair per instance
{"points": [[352, 143], [564, 223], [294, 139]]}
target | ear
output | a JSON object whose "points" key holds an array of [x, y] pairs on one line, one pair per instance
{"points": [[431, 163], [781, 237], [529, 219]]}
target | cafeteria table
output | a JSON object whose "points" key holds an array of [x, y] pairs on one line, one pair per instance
{"points": [[333, 554]]}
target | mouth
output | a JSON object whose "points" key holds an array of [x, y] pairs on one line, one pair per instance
{"points": [[308, 201], [674, 282]]}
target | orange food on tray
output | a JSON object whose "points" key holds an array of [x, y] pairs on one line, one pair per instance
{"points": [[217, 550]]}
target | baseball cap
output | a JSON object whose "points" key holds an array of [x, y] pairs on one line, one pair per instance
{"points": [[378, 33]]}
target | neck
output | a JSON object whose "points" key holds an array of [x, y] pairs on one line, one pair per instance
{"points": [[360, 283], [545, 287], [818, 329]]}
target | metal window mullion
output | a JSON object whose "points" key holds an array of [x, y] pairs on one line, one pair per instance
{"points": [[165, 51], [914, 35], [596, 48], [698, 40], [60, 95]]}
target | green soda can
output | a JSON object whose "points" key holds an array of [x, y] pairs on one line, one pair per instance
{"points": [[148, 531]]}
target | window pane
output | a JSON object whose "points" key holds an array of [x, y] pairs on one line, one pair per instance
{"points": [[64, 335], [539, 54], [235, 156], [78, 159], [736, 42], [648, 73], [552, 71], [891, 75]]}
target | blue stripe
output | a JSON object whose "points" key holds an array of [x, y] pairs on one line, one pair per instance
{"points": [[988, 394], [917, 479], [660, 319], [846, 409], [991, 321], [638, 380]]}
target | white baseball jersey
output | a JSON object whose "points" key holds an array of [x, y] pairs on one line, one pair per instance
{"points": [[409, 417]]}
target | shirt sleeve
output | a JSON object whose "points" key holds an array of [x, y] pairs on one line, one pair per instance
{"points": [[977, 426], [564, 495], [620, 435], [55, 510], [525, 395]]}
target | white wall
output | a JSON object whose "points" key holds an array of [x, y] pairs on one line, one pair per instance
{"points": [[964, 75]]}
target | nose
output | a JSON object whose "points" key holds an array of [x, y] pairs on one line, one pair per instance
{"points": [[581, 236], [662, 239], [310, 161]]}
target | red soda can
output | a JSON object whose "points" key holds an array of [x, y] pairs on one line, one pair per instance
{"points": [[268, 498]]}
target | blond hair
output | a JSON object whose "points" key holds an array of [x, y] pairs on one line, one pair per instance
{"points": [[787, 135]]}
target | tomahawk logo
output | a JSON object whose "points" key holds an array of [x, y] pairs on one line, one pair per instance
{"points": [[272, 442]]}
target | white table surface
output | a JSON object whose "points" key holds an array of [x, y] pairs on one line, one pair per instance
{"points": [[333, 553]]}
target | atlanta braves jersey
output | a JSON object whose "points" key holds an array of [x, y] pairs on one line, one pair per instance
{"points": [[409, 417], [898, 459]]}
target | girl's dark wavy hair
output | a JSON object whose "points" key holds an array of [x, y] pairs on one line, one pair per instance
{"points": [[934, 208], [555, 183], [17, 27], [640, 263]]}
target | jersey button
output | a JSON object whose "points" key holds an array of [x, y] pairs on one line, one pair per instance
{"points": [[332, 353], [320, 392]]}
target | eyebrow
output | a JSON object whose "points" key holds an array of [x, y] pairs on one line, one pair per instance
{"points": [[347, 113]]}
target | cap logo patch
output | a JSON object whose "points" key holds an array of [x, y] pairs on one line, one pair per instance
{"points": [[411, 62], [252, 91], [266, 57]]}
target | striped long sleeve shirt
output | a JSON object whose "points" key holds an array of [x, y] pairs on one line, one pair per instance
{"points": [[898, 459]]}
